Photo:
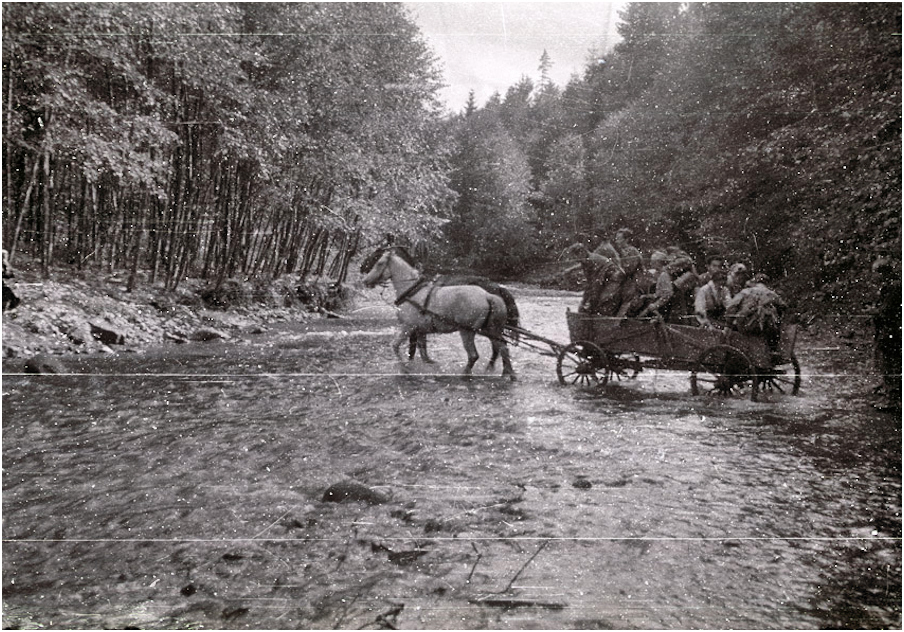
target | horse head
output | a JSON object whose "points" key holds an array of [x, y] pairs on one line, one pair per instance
{"points": [[378, 266]]}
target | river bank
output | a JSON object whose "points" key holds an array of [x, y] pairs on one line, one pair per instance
{"points": [[74, 313]]}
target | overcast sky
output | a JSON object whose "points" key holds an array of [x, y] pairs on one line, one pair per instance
{"points": [[489, 46]]}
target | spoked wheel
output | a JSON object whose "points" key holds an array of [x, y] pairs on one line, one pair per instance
{"points": [[780, 380], [583, 364], [724, 371]]}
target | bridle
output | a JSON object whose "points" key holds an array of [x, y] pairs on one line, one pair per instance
{"points": [[383, 262]]}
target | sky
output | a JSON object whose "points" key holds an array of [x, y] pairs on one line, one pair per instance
{"points": [[489, 46]]}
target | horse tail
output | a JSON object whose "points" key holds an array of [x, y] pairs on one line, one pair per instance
{"points": [[513, 316]]}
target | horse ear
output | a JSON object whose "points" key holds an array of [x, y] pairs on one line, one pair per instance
{"points": [[371, 260]]}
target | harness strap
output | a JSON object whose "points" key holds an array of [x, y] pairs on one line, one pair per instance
{"points": [[404, 296], [424, 308]]}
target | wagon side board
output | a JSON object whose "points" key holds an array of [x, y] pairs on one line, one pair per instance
{"points": [[678, 345]]}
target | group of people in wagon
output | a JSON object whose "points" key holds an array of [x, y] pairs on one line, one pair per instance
{"points": [[722, 296]]}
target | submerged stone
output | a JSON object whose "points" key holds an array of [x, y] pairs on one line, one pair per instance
{"points": [[351, 491]]}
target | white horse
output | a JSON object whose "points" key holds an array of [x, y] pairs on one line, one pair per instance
{"points": [[425, 308]]}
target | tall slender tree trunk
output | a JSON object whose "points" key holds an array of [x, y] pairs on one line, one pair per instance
{"points": [[47, 223]]}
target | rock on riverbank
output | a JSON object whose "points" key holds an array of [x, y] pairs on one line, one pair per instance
{"points": [[82, 314]]}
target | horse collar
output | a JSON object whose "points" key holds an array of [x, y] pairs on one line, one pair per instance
{"points": [[417, 285]]}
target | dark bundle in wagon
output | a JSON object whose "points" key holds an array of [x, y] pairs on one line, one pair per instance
{"points": [[757, 311]]}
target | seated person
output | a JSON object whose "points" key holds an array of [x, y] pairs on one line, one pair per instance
{"points": [[737, 278], [714, 263], [711, 300], [632, 265], [606, 249], [757, 311], [602, 279], [660, 302], [684, 275]]}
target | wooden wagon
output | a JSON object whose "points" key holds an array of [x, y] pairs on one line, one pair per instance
{"points": [[724, 362]]}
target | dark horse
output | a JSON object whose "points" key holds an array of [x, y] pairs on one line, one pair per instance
{"points": [[418, 342]]}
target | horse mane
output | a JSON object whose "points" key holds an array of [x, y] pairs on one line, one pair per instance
{"points": [[402, 251], [371, 260]]}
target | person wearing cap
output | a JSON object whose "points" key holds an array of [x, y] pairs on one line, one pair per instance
{"points": [[711, 300], [738, 276]]}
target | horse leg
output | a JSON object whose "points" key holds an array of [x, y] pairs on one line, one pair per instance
{"points": [[500, 348], [412, 345], [467, 339], [402, 336], [422, 349], [492, 363], [506, 361]]}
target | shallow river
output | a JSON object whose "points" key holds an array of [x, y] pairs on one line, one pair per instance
{"points": [[182, 488]]}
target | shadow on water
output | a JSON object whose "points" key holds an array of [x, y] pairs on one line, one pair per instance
{"points": [[858, 596], [861, 576]]}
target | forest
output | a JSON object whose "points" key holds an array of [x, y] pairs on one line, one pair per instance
{"points": [[252, 140]]}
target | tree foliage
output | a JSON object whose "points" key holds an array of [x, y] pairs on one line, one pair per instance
{"points": [[768, 132], [217, 139], [257, 139]]}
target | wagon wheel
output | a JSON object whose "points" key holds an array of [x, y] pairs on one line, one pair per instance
{"points": [[779, 379], [582, 363], [724, 370]]}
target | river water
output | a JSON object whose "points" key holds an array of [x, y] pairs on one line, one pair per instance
{"points": [[182, 488]]}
